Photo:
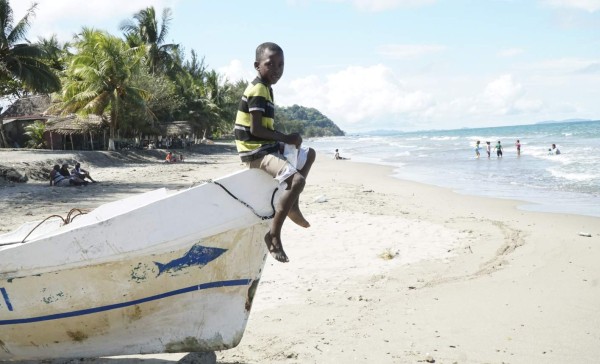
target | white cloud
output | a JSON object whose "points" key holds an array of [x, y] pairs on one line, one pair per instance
{"points": [[357, 97], [73, 14], [236, 71], [568, 65], [587, 5], [400, 51], [510, 52], [504, 96]]}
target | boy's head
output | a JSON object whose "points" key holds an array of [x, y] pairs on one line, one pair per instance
{"points": [[269, 62]]}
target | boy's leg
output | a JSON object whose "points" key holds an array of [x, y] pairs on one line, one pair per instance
{"points": [[273, 237], [287, 202], [295, 214]]}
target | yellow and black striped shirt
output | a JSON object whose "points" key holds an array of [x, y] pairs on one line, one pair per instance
{"points": [[257, 97]]}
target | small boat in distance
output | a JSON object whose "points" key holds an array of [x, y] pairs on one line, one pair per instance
{"points": [[156, 272]]}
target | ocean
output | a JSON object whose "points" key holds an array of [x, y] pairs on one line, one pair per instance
{"points": [[564, 183]]}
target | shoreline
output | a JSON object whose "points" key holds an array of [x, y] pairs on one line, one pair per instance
{"points": [[391, 271]]}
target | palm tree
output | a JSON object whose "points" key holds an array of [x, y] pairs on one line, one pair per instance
{"points": [[145, 31], [23, 61], [56, 52], [35, 132], [99, 78], [21, 64]]}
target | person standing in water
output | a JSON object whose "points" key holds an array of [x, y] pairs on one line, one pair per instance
{"points": [[477, 148], [518, 145], [499, 149]]}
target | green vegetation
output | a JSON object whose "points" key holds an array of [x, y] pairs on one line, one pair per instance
{"points": [[22, 67], [309, 122], [35, 132], [135, 80]]}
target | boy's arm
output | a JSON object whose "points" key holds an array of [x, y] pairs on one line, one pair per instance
{"points": [[257, 129]]}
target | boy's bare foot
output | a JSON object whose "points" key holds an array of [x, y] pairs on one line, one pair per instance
{"points": [[275, 248], [296, 216]]}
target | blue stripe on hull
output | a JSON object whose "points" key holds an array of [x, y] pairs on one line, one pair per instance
{"points": [[6, 299], [235, 282]]}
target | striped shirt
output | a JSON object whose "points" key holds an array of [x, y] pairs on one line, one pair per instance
{"points": [[256, 97]]}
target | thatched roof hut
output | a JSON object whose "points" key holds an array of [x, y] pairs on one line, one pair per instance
{"points": [[20, 114], [28, 108], [76, 124], [80, 131]]}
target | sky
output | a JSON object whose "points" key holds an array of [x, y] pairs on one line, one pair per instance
{"points": [[385, 64]]}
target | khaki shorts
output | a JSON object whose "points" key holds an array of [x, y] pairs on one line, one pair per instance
{"points": [[270, 163]]}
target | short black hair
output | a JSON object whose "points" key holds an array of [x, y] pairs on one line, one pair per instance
{"points": [[263, 47]]}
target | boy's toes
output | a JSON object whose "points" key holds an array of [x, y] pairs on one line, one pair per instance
{"points": [[275, 248]]}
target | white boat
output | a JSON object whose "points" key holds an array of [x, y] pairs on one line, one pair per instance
{"points": [[157, 272]]}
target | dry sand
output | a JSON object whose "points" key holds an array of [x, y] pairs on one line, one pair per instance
{"points": [[390, 271]]}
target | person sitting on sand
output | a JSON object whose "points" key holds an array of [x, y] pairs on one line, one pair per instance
{"points": [[81, 173], [337, 155], [75, 180], [170, 158], [57, 178], [64, 170]]}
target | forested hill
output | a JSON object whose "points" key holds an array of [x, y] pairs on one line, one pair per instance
{"points": [[307, 121]]}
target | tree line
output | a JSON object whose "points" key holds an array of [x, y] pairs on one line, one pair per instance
{"points": [[135, 79]]}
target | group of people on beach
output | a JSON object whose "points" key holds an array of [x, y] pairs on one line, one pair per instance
{"points": [[62, 177], [500, 149]]}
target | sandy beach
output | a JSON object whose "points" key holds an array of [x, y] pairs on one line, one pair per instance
{"points": [[390, 271]]}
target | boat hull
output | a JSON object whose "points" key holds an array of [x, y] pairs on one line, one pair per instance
{"points": [[191, 292]]}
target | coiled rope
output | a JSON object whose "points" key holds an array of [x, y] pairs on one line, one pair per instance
{"points": [[66, 220]]}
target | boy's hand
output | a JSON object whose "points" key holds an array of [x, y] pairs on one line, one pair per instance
{"points": [[294, 138]]}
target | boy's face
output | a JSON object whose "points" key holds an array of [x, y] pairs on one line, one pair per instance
{"points": [[270, 66]]}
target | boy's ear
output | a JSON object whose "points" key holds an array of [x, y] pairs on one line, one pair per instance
{"points": [[256, 65]]}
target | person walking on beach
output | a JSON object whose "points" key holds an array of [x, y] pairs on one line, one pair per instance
{"points": [[259, 145], [477, 148], [488, 149], [499, 149], [518, 145]]}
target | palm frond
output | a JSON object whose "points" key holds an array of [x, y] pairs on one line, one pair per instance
{"points": [[20, 29]]}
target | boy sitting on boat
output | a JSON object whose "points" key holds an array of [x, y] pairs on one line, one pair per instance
{"points": [[261, 146]]}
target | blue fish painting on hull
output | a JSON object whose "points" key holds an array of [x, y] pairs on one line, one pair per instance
{"points": [[198, 255]]}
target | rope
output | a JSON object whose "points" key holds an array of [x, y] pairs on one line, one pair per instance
{"points": [[67, 220], [71, 215], [247, 205]]}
